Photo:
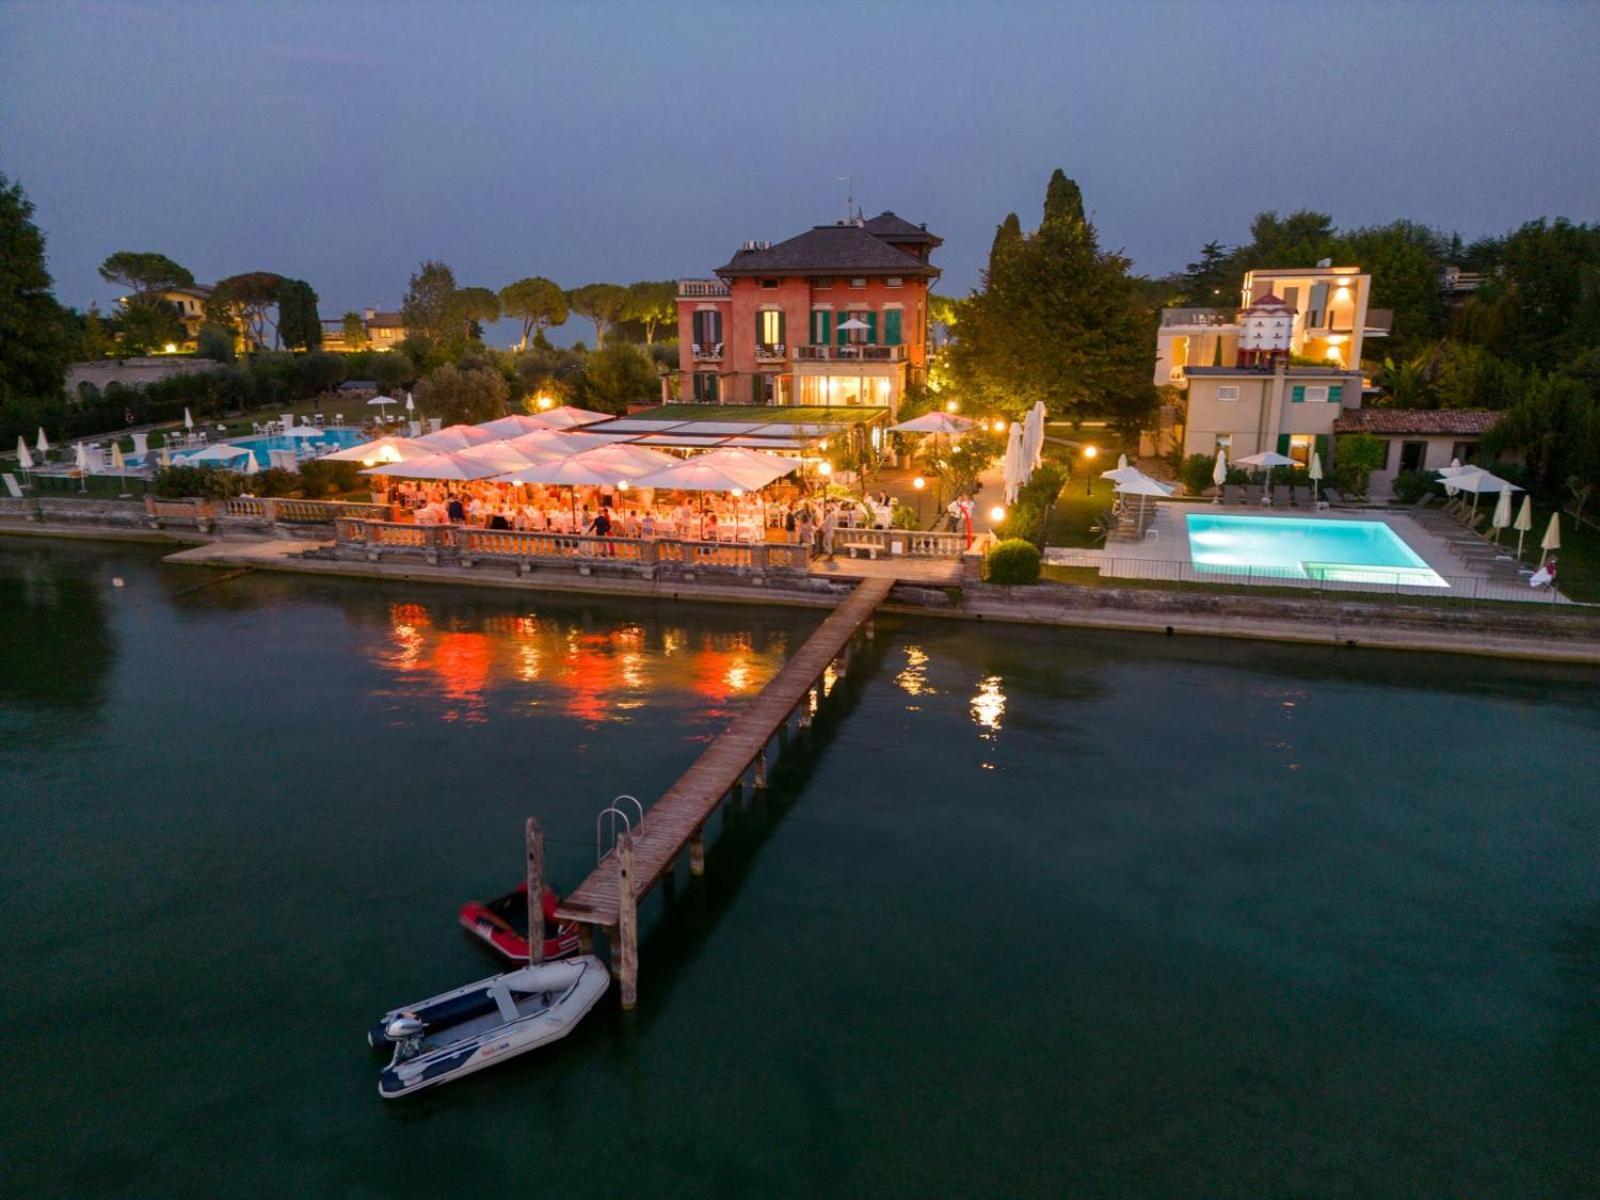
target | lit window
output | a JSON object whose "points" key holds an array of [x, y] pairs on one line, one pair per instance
{"points": [[1300, 445], [770, 328], [1316, 395], [858, 283], [893, 281], [1228, 393], [1224, 441]]}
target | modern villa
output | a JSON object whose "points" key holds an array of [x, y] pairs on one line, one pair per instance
{"points": [[837, 315], [1276, 373]]}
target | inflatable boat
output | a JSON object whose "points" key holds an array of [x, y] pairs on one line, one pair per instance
{"points": [[456, 1033], [503, 924]]}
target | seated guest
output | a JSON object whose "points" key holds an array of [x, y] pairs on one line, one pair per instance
{"points": [[455, 510], [498, 521]]}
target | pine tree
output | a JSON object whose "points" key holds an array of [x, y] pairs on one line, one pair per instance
{"points": [[34, 348]]}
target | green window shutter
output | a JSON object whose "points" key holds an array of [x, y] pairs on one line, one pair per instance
{"points": [[891, 327], [1336, 394], [1298, 394], [843, 336], [783, 328], [1283, 444], [1322, 450], [872, 329]]}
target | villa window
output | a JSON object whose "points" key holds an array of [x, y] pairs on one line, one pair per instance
{"points": [[860, 337], [770, 285], [705, 387], [858, 282], [1224, 442], [769, 328], [822, 281], [1464, 451], [1229, 392], [893, 281], [1300, 445], [821, 326], [1316, 395], [707, 329]]}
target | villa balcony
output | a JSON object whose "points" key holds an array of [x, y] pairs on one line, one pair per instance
{"points": [[702, 289], [1196, 318], [775, 353], [851, 353], [712, 353]]}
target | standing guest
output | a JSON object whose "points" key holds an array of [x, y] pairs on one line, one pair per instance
{"points": [[455, 510], [804, 531], [830, 524], [647, 526]]}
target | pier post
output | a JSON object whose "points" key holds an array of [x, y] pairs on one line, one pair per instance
{"points": [[585, 938], [697, 852], [627, 947], [761, 769], [535, 848]]}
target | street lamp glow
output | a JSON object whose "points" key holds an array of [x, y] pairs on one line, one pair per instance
{"points": [[622, 485], [545, 401], [951, 406], [1090, 451], [997, 514], [999, 426], [919, 483], [825, 469]]}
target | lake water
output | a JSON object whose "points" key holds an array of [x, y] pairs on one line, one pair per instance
{"points": [[1033, 913]]}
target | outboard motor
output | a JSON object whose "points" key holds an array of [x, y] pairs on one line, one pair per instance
{"points": [[405, 1031]]}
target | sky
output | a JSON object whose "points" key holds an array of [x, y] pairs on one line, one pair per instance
{"points": [[344, 143]]}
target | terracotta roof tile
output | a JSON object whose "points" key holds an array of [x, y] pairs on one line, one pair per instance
{"points": [[1421, 421], [836, 249]]}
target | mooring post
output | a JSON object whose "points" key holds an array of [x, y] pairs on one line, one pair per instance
{"points": [[585, 938], [761, 769], [627, 948], [697, 852], [535, 848]]}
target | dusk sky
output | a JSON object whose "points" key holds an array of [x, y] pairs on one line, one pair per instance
{"points": [[343, 143]]}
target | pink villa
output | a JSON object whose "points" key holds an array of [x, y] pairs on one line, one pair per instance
{"points": [[835, 316]]}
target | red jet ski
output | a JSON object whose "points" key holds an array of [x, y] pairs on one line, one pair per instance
{"points": [[503, 923]]}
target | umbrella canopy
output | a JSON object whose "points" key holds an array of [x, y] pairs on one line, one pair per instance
{"points": [[381, 401], [24, 459], [545, 445], [698, 475], [599, 467], [503, 456], [43, 444], [1552, 535], [188, 421], [1478, 481], [515, 425], [1267, 458], [1123, 474], [934, 422], [566, 417], [1122, 461], [80, 457], [443, 465], [221, 452], [457, 437], [753, 466], [631, 461], [382, 450], [853, 325], [303, 431], [1012, 467], [1524, 522], [1144, 486]]}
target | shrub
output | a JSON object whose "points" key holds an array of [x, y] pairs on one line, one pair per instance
{"points": [[274, 481], [1196, 473], [1411, 486], [1013, 562], [319, 478], [1356, 457], [177, 483]]}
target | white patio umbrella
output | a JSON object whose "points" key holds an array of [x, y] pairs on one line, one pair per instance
{"points": [[934, 422], [1011, 466], [164, 455], [43, 444], [221, 452], [1478, 482], [1122, 461], [698, 475], [81, 457], [247, 465], [853, 325], [1502, 514], [544, 445], [1266, 460], [119, 464], [1143, 487], [502, 455], [443, 466], [1524, 522], [381, 403], [457, 437], [1124, 475], [1552, 535], [568, 417], [755, 467], [303, 431], [515, 425], [1447, 473], [601, 466], [1219, 472], [188, 421], [381, 450], [410, 404], [24, 459], [1316, 474]]}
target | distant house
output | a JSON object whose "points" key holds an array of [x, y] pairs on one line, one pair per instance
{"points": [[837, 315], [1418, 439], [385, 331], [189, 303]]}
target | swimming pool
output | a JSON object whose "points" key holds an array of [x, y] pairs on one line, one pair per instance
{"points": [[262, 446], [1306, 548]]}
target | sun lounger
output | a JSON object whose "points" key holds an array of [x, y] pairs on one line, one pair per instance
{"points": [[12, 488]]}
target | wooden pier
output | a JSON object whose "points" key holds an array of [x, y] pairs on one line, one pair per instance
{"points": [[609, 897]]}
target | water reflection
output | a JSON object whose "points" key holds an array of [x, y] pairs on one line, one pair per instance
{"points": [[592, 672], [913, 677], [988, 706]]}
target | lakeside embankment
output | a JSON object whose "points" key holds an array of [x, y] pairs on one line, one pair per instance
{"points": [[1566, 634]]}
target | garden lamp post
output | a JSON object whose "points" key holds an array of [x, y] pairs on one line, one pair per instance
{"points": [[1089, 454], [917, 485]]}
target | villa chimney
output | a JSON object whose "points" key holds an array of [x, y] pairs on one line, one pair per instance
{"points": [[369, 313]]}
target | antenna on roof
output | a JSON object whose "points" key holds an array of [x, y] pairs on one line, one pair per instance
{"points": [[852, 214]]}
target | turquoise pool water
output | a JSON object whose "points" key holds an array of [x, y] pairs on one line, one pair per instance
{"points": [[1306, 548], [260, 447]]}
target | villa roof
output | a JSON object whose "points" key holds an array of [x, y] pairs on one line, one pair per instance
{"points": [[386, 320], [825, 250], [1271, 302], [892, 228], [1438, 422]]}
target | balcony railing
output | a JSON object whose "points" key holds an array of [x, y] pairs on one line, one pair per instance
{"points": [[701, 289], [1197, 316], [851, 353], [771, 353], [703, 353]]}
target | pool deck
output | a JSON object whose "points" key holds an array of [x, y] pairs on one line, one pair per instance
{"points": [[1164, 554]]}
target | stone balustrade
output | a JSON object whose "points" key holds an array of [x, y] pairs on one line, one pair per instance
{"points": [[905, 543]]}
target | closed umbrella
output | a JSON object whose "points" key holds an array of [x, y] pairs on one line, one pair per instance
{"points": [[165, 455], [1122, 461], [119, 464], [1316, 474], [43, 444], [24, 459], [81, 458], [1524, 522], [410, 404], [1219, 472], [247, 465], [1502, 514], [1011, 468], [1552, 535], [188, 421]]}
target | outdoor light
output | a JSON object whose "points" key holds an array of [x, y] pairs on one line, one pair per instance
{"points": [[737, 492], [622, 485], [999, 426], [1089, 453], [825, 469], [919, 483], [545, 401], [997, 513], [951, 406], [171, 347]]}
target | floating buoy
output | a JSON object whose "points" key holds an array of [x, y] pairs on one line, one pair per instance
{"points": [[116, 581]]}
